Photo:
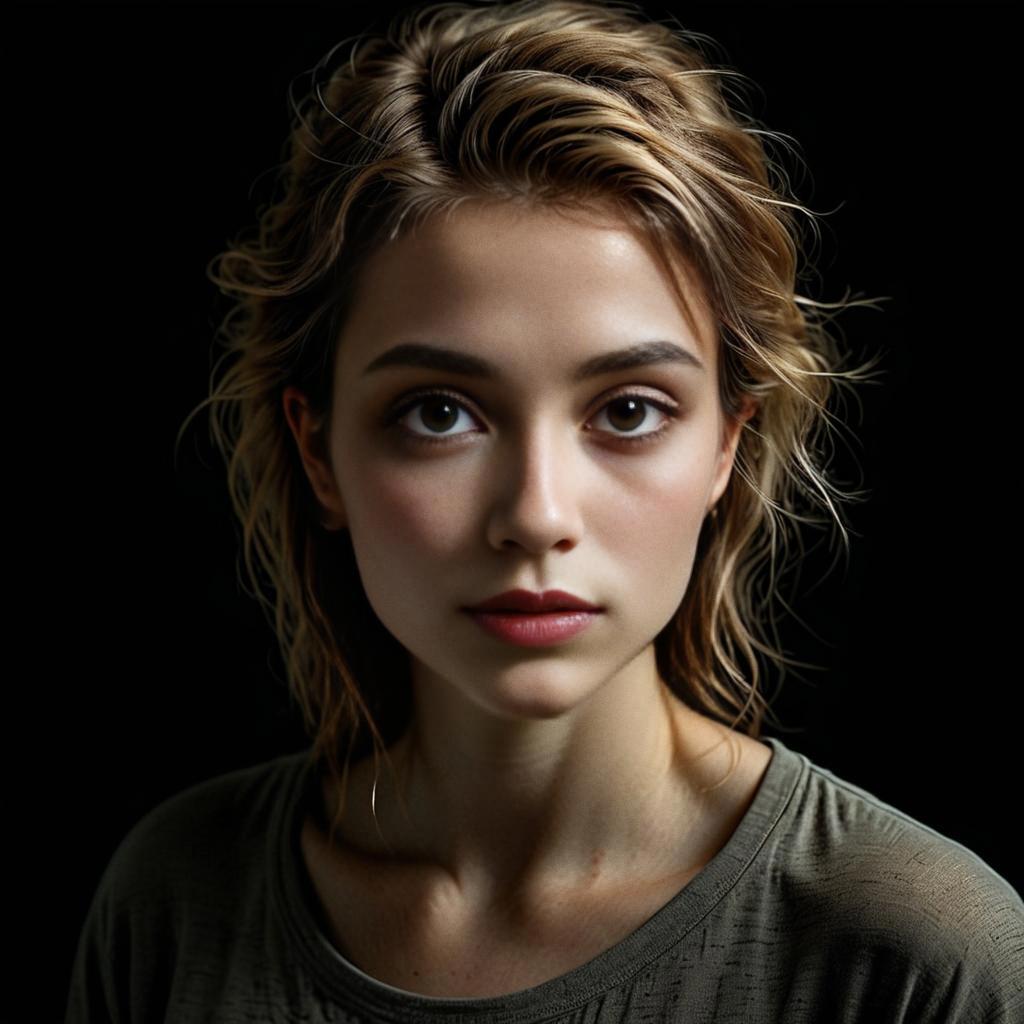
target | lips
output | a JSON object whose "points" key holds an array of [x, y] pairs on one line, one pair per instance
{"points": [[525, 601]]}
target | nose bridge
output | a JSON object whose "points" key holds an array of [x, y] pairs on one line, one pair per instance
{"points": [[537, 503]]}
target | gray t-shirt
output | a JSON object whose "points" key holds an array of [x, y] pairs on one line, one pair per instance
{"points": [[825, 905]]}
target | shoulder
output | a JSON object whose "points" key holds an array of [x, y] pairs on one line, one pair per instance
{"points": [[866, 839], [182, 885], [205, 834], [883, 886]]}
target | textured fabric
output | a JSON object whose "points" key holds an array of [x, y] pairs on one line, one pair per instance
{"points": [[825, 905]]}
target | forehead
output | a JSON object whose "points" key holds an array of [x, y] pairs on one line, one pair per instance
{"points": [[514, 278]]}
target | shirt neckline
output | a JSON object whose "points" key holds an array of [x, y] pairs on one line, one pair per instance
{"points": [[343, 981]]}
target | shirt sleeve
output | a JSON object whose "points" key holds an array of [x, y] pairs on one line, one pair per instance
{"points": [[979, 963], [92, 998], [125, 959]]}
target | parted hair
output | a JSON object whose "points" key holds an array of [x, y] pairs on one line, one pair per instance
{"points": [[559, 104]]}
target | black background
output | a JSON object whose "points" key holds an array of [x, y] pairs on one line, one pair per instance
{"points": [[150, 133]]}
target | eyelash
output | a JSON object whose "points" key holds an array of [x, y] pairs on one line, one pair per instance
{"points": [[409, 402]]}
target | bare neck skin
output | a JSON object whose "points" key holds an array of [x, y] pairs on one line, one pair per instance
{"points": [[524, 810]]}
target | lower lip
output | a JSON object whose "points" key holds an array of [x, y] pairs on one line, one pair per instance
{"points": [[534, 630]]}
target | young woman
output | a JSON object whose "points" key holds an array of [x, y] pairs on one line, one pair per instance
{"points": [[518, 404]]}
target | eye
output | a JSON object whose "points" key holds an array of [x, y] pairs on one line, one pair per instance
{"points": [[436, 410], [630, 411], [439, 412]]}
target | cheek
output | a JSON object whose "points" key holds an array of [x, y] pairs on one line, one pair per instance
{"points": [[402, 516], [650, 529], [663, 502]]}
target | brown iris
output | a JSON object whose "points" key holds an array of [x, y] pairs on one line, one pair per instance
{"points": [[446, 421], [634, 407]]}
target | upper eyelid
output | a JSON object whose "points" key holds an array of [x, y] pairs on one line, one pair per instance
{"points": [[410, 399]]}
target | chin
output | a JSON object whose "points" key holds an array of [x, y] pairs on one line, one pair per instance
{"points": [[539, 699]]}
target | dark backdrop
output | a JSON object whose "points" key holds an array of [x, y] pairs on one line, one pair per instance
{"points": [[149, 134]]}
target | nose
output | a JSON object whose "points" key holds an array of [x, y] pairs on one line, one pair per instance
{"points": [[536, 499]]}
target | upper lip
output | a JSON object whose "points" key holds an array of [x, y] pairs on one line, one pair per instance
{"points": [[527, 601]]}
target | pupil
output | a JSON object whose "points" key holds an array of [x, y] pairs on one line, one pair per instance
{"points": [[439, 403], [634, 405]]}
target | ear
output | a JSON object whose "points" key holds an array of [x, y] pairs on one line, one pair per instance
{"points": [[731, 430], [311, 443]]}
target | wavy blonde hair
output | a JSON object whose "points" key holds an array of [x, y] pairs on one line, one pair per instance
{"points": [[559, 104]]}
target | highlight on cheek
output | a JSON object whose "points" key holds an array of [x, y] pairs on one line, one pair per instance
{"points": [[624, 412]]}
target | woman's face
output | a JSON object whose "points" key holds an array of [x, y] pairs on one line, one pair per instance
{"points": [[540, 473]]}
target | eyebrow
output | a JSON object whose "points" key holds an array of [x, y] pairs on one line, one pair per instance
{"points": [[435, 357]]}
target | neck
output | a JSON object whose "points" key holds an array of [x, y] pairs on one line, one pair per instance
{"points": [[610, 789]]}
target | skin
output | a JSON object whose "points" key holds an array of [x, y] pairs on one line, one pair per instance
{"points": [[557, 797]]}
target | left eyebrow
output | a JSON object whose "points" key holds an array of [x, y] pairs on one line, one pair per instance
{"points": [[452, 361]]}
